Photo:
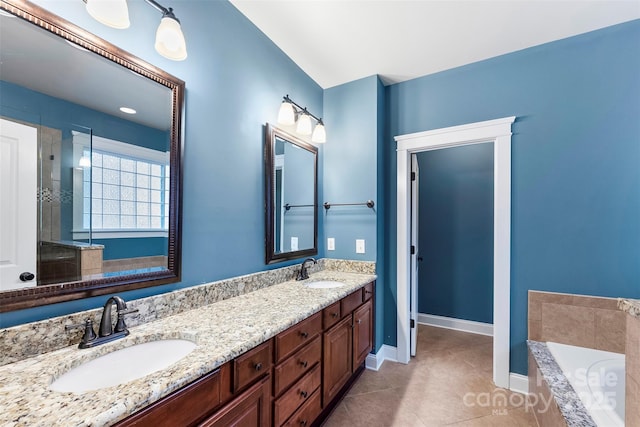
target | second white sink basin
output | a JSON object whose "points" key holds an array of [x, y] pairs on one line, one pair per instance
{"points": [[123, 365], [324, 284]]}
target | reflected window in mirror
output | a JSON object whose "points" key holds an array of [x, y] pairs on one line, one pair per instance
{"points": [[103, 130], [291, 215]]}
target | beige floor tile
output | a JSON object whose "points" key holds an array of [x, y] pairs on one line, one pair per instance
{"points": [[449, 382]]}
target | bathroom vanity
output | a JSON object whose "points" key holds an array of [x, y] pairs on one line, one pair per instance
{"points": [[286, 381], [270, 350]]}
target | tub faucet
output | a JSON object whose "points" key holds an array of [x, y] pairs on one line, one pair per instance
{"points": [[303, 274]]}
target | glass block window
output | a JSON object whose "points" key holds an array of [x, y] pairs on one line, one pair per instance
{"points": [[124, 193]]}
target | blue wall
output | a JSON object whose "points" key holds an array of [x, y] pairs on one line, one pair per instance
{"points": [[575, 161], [353, 113], [235, 80], [455, 229]]}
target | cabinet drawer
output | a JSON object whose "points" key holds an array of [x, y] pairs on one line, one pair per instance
{"points": [[250, 408], [368, 291], [295, 366], [298, 335], [331, 315], [251, 365], [307, 413], [296, 396], [183, 407], [351, 302]]}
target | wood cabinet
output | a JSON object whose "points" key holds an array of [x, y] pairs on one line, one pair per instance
{"points": [[250, 409], [347, 344], [289, 380]]}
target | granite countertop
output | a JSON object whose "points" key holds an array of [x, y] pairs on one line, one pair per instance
{"points": [[222, 331], [568, 401], [630, 306]]}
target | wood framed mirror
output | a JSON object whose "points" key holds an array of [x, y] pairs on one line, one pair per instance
{"points": [[106, 217], [291, 196]]}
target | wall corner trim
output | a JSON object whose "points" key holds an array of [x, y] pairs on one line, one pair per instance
{"points": [[518, 383], [375, 360]]}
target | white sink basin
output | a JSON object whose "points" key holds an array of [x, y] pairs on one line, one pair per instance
{"points": [[324, 284], [123, 365]]}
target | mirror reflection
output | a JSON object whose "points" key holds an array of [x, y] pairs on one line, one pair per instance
{"points": [[291, 196], [85, 160]]}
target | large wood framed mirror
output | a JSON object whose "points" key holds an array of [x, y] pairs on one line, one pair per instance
{"points": [[90, 193], [291, 196]]}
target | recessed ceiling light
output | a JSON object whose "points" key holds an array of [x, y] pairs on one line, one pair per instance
{"points": [[128, 110]]}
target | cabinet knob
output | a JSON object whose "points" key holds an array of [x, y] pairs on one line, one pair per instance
{"points": [[304, 363], [303, 393], [258, 366], [334, 315], [304, 334], [359, 321], [303, 423]]}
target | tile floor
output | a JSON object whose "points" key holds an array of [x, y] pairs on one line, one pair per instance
{"points": [[448, 383]]}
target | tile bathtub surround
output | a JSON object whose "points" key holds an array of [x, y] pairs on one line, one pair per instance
{"points": [[222, 331], [544, 373], [585, 321], [28, 340]]}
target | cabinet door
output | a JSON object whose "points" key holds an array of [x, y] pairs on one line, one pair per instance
{"points": [[337, 360], [362, 333], [250, 409]]}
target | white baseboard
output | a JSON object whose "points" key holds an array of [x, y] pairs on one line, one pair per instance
{"points": [[375, 360], [518, 383], [456, 324]]}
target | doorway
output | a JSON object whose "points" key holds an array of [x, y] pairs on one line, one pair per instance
{"points": [[499, 132]]}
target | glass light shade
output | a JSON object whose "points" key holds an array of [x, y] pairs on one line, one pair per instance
{"points": [[112, 13], [286, 115], [319, 134], [170, 41], [304, 124]]}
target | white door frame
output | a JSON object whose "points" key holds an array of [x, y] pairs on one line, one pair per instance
{"points": [[499, 132]]}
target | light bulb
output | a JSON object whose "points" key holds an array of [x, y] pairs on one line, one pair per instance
{"points": [[286, 115], [319, 134], [170, 41], [304, 124], [112, 13]]}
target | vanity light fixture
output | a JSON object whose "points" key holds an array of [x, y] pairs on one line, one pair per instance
{"points": [[170, 41], [290, 111]]}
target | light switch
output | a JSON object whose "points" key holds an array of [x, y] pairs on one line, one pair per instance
{"points": [[331, 244], [359, 246], [294, 243]]}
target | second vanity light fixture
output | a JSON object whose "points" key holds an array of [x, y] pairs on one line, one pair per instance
{"points": [[170, 41], [290, 111]]}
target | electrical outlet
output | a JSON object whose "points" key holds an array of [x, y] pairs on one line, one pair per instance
{"points": [[294, 243], [331, 244], [359, 246]]}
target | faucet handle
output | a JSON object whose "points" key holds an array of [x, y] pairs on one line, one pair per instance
{"points": [[120, 325], [89, 334]]}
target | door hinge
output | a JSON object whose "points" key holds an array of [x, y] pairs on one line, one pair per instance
{"points": [[413, 176], [412, 324], [413, 250]]}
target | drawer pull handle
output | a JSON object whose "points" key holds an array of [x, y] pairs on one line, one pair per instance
{"points": [[304, 334], [303, 394], [303, 423], [304, 363], [334, 315], [258, 366]]}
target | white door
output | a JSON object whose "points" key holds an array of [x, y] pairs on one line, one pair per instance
{"points": [[414, 254], [18, 204]]}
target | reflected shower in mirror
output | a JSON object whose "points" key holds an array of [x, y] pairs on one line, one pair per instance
{"points": [[290, 197], [102, 133]]}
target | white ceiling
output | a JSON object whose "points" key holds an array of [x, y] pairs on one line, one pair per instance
{"points": [[338, 41]]}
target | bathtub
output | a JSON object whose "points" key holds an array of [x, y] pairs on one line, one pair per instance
{"points": [[598, 379]]}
